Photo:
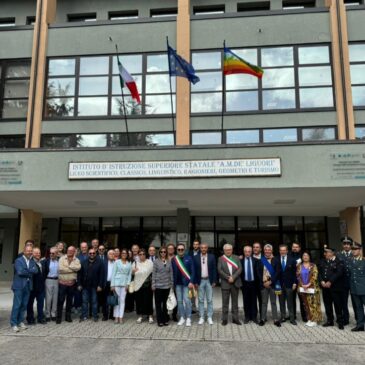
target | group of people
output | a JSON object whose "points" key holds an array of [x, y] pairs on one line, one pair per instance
{"points": [[92, 280]]}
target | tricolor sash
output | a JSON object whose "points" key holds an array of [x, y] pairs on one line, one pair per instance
{"points": [[270, 269], [230, 261], [180, 264]]}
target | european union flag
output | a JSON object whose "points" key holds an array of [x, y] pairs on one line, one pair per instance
{"points": [[179, 67]]}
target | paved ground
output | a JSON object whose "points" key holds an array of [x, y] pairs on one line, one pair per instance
{"points": [[131, 343]]}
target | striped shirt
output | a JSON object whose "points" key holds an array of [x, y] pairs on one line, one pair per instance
{"points": [[162, 274]]}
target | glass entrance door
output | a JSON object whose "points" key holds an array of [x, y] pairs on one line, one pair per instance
{"points": [[250, 237]]}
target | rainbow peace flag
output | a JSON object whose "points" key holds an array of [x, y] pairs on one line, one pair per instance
{"points": [[234, 64]]}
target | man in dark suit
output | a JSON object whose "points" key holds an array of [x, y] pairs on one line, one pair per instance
{"points": [[332, 280], [38, 291], [250, 285], [90, 281], [269, 276], [346, 257], [288, 280], [229, 269], [357, 285], [205, 281], [24, 269]]}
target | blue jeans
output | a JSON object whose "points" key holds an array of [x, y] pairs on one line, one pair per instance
{"points": [[89, 294], [183, 301], [20, 301], [205, 291], [39, 296]]}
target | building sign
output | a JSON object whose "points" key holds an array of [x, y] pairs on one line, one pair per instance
{"points": [[11, 172], [347, 166], [175, 169]]}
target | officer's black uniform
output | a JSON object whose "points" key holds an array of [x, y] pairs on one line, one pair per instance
{"points": [[333, 271]]}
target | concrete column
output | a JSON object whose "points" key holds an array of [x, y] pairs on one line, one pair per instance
{"points": [[183, 226], [341, 69], [46, 14], [182, 84], [30, 228], [350, 222]]}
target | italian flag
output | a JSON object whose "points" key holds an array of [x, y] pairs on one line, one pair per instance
{"points": [[127, 79]]}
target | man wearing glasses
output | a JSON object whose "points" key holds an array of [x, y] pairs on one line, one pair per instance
{"points": [[51, 273], [184, 277], [357, 285], [90, 281], [205, 281]]}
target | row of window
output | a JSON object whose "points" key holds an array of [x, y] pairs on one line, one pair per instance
{"points": [[245, 136], [197, 10], [295, 78]]}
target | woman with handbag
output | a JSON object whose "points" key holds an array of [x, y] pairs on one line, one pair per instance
{"points": [[121, 278], [308, 288], [142, 287], [162, 282]]}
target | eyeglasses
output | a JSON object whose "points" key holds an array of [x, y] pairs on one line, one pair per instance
{"points": [[180, 250], [52, 253], [92, 253], [162, 251]]}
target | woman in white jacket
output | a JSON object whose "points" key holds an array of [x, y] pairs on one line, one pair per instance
{"points": [[142, 286]]}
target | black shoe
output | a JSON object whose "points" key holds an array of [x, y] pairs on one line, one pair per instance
{"points": [[294, 323], [224, 323], [341, 327], [166, 324], [83, 319], [288, 318], [53, 319], [174, 318], [96, 319], [283, 320], [255, 321], [328, 324], [42, 321], [48, 319], [237, 322], [160, 325], [104, 319], [58, 321], [277, 323], [68, 319], [262, 323], [357, 329], [246, 320], [31, 323]]}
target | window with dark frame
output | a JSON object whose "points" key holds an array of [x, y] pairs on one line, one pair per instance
{"points": [[298, 4], [295, 78], [14, 93], [13, 141], [30, 20], [209, 9], [121, 15], [7, 22], [357, 69], [89, 17], [253, 6], [161, 13]]}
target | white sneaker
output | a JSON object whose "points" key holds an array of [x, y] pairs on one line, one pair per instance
{"points": [[311, 324], [201, 320], [314, 324], [150, 319], [210, 321], [139, 320], [15, 329], [181, 321], [23, 327], [188, 322]]}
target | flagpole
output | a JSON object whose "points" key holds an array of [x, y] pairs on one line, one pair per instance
{"points": [[123, 100], [171, 98], [223, 94]]}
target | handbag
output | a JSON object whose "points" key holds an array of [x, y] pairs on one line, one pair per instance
{"points": [[112, 300], [171, 300], [131, 287]]}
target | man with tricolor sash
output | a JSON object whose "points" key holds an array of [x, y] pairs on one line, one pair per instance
{"points": [[269, 276], [229, 269], [184, 278]]}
